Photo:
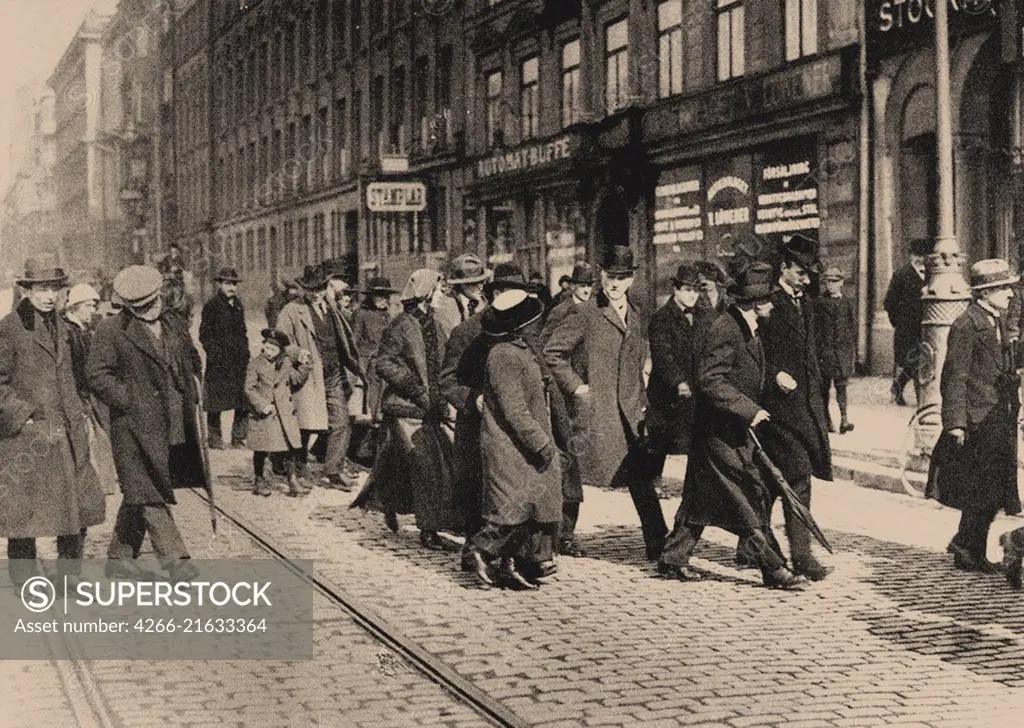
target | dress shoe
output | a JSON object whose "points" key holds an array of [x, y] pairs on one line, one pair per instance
{"points": [[474, 561], [682, 573], [571, 547], [510, 577], [813, 570], [215, 443], [239, 445], [831, 427], [965, 560], [1011, 561], [535, 571], [783, 578], [654, 550], [391, 521], [433, 541], [126, 570], [260, 486], [183, 570], [845, 427]]}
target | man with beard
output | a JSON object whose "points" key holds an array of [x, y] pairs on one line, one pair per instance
{"points": [[144, 369], [724, 486], [597, 357], [797, 439]]}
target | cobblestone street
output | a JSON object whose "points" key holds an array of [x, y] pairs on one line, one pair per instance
{"points": [[894, 637]]}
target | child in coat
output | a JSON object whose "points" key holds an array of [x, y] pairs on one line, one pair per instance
{"points": [[836, 326], [271, 381]]}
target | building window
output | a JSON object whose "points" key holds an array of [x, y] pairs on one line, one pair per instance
{"points": [[443, 79], [289, 244], [238, 258], [571, 83], [670, 48], [303, 241], [421, 124], [377, 115], [357, 23], [340, 22], [801, 28], [273, 252], [730, 39], [616, 63], [340, 141], [357, 124], [261, 249], [529, 98], [494, 116], [396, 129], [250, 250]]}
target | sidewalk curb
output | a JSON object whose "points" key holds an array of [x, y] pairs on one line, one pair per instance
{"points": [[873, 475]]}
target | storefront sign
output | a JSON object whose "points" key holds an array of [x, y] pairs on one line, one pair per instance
{"points": [[795, 86], [729, 202], [898, 25], [396, 197], [679, 208], [527, 157], [787, 190]]}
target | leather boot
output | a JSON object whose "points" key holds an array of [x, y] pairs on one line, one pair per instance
{"points": [[295, 489], [804, 562], [511, 578]]}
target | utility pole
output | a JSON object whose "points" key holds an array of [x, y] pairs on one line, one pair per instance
{"points": [[946, 292]]}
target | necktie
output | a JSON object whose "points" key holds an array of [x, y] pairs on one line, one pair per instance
{"points": [[473, 303]]}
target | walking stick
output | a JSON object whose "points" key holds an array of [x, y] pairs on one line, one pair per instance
{"points": [[204, 451], [788, 496]]}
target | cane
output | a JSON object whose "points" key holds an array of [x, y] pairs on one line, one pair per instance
{"points": [[204, 451]]}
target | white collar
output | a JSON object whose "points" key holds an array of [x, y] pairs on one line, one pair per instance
{"points": [[789, 290], [751, 318]]}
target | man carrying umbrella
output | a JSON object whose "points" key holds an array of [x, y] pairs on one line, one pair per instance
{"points": [[725, 486]]}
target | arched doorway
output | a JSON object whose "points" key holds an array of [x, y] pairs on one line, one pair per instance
{"points": [[917, 178]]}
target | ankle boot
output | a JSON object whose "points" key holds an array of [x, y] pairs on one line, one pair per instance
{"points": [[804, 562], [259, 485], [295, 489]]}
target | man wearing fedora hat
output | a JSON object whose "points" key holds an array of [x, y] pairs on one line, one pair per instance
{"points": [[226, 343], [598, 357], [144, 368], [48, 486], [974, 465], [724, 486], [466, 277], [581, 291], [797, 439], [368, 324]]}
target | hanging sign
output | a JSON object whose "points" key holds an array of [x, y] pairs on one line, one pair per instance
{"points": [[396, 197]]}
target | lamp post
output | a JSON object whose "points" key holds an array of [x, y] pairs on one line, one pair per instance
{"points": [[946, 292]]}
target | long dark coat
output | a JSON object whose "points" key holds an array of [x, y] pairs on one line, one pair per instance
{"points": [[835, 324], [134, 379], [47, 484], [593, 347], [222, 334], [979, 395], [674, 345], [724, 485], [275, 383], [516, 427], [903, 304], [797, 439], [368, 328], [413, 472]]}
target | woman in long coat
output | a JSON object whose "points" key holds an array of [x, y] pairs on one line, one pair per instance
{"points": [[522, 495], [413, 469], [47, 484], [368, 324]]}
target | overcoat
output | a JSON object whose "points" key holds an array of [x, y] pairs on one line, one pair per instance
{"points": [[47, 484], [797, 440], [133, 377], [675, 341], [724, 485], [367, 328], [414, 467], [560, 313], [835, 324], [903, 304], [296, 320], [274, 383], [979, 395], [516, 427], [594, 347], [97, 416], [222, 335]]}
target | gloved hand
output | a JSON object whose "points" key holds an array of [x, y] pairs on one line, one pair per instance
{"points": [[546, 456]]}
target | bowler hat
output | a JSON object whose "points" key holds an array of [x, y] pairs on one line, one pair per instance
{"points": [[227, 275], [420, 284], [312, 278], [379, 286], [36, 272], [583, 274], [334, 269], [752, 283], [468, 268], [277, 337], [992, 273], [713, 271], [686, 274], [801, 250], [508, 276], [618, 260], [510, 311], [138, 285], [921, 246], [834, 273]]}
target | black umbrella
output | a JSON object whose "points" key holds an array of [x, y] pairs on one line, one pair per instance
{"points": [[204, 451], [788, 496]]}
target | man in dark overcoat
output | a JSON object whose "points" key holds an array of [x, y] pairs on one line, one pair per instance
{"points": [[725, 486], [222, 334], [581, 291], [974, 464], [835, 322], [47, 485], [145, 370], [608, 346], [368, 324], [903, 304], [797, 439]]}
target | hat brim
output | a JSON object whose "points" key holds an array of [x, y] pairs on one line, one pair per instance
{"points": [[492, 286], [220, 279], [471, 279], [1011, 281], [620, 270], [142, 302], [311, 285], [582, 281], [493, 327], [26, 282]]}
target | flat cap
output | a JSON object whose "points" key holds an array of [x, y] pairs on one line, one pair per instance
{"points": [[137, 285]]}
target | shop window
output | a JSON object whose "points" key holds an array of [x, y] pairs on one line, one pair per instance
{"points": [[495, 135], [571, 83], [730, 39], [616, 65], [801, 28], [529, 98], [670, 48]]}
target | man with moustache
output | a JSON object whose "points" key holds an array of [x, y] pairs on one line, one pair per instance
{"points": [[224, 339], [597, 357]]}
